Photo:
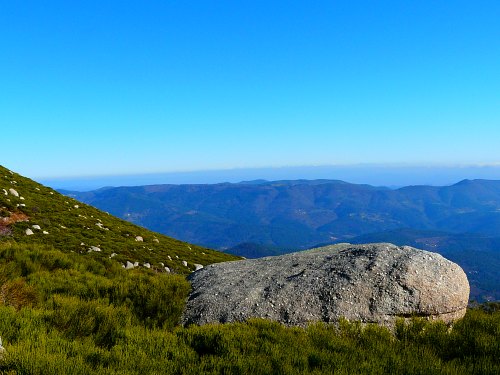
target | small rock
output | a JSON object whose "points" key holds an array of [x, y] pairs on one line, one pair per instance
{"points": [[36, 227], [167, 269], [112, 255], [156, 240], [129, 265], [184, 263], [147, 265], [29, 232], [94, 248], [45, 232], [198, 266], [13, 192], [139, 239]]}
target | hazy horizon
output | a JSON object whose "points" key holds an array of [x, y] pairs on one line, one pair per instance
{"points": [[378, 175]]}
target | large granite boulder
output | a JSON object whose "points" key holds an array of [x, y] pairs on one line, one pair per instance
{"points": [[368, 283]]}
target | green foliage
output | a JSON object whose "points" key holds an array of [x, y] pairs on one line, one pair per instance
{"points": [[87, 315]]}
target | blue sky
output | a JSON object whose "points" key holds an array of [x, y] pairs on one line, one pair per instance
{"points": [[122, 87]]}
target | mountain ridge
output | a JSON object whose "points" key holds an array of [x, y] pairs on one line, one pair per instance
{"points": [[224, 215]]}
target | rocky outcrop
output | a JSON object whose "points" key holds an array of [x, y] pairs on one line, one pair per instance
{"points": [[368, 283]]}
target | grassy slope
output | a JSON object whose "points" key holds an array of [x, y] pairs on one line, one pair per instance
{"points": [[70, 224]]}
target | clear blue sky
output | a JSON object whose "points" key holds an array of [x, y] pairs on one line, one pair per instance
{"points": [[118, 87]]}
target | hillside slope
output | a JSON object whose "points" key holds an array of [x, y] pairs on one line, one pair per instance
{"points": [[34, 214]]}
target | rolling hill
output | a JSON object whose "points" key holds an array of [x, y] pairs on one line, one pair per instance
{"points": [[300, 214], [31, 213]]}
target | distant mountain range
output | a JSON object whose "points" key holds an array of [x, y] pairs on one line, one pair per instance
{"points": [[300, 214], [258, 218]]}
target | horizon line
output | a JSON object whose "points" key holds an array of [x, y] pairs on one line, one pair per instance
{"points": [[283, 167]]}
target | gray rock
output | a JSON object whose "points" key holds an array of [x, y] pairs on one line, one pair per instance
{"points": [[197, 266], [369, 283]]}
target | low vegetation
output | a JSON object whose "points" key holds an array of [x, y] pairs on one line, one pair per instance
{"points": [[63, 313]]}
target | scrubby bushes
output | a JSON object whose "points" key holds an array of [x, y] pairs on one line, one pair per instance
{"points": [[256, 347], [73, 314], [29, 273]]}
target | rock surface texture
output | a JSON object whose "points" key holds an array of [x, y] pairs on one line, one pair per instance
{"points": [[368, 283]]}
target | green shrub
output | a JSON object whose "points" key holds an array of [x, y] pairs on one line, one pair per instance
{"points": [[63, 313], [76, 319]]}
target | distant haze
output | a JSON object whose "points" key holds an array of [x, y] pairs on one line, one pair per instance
{"points": [[377, 175]]}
